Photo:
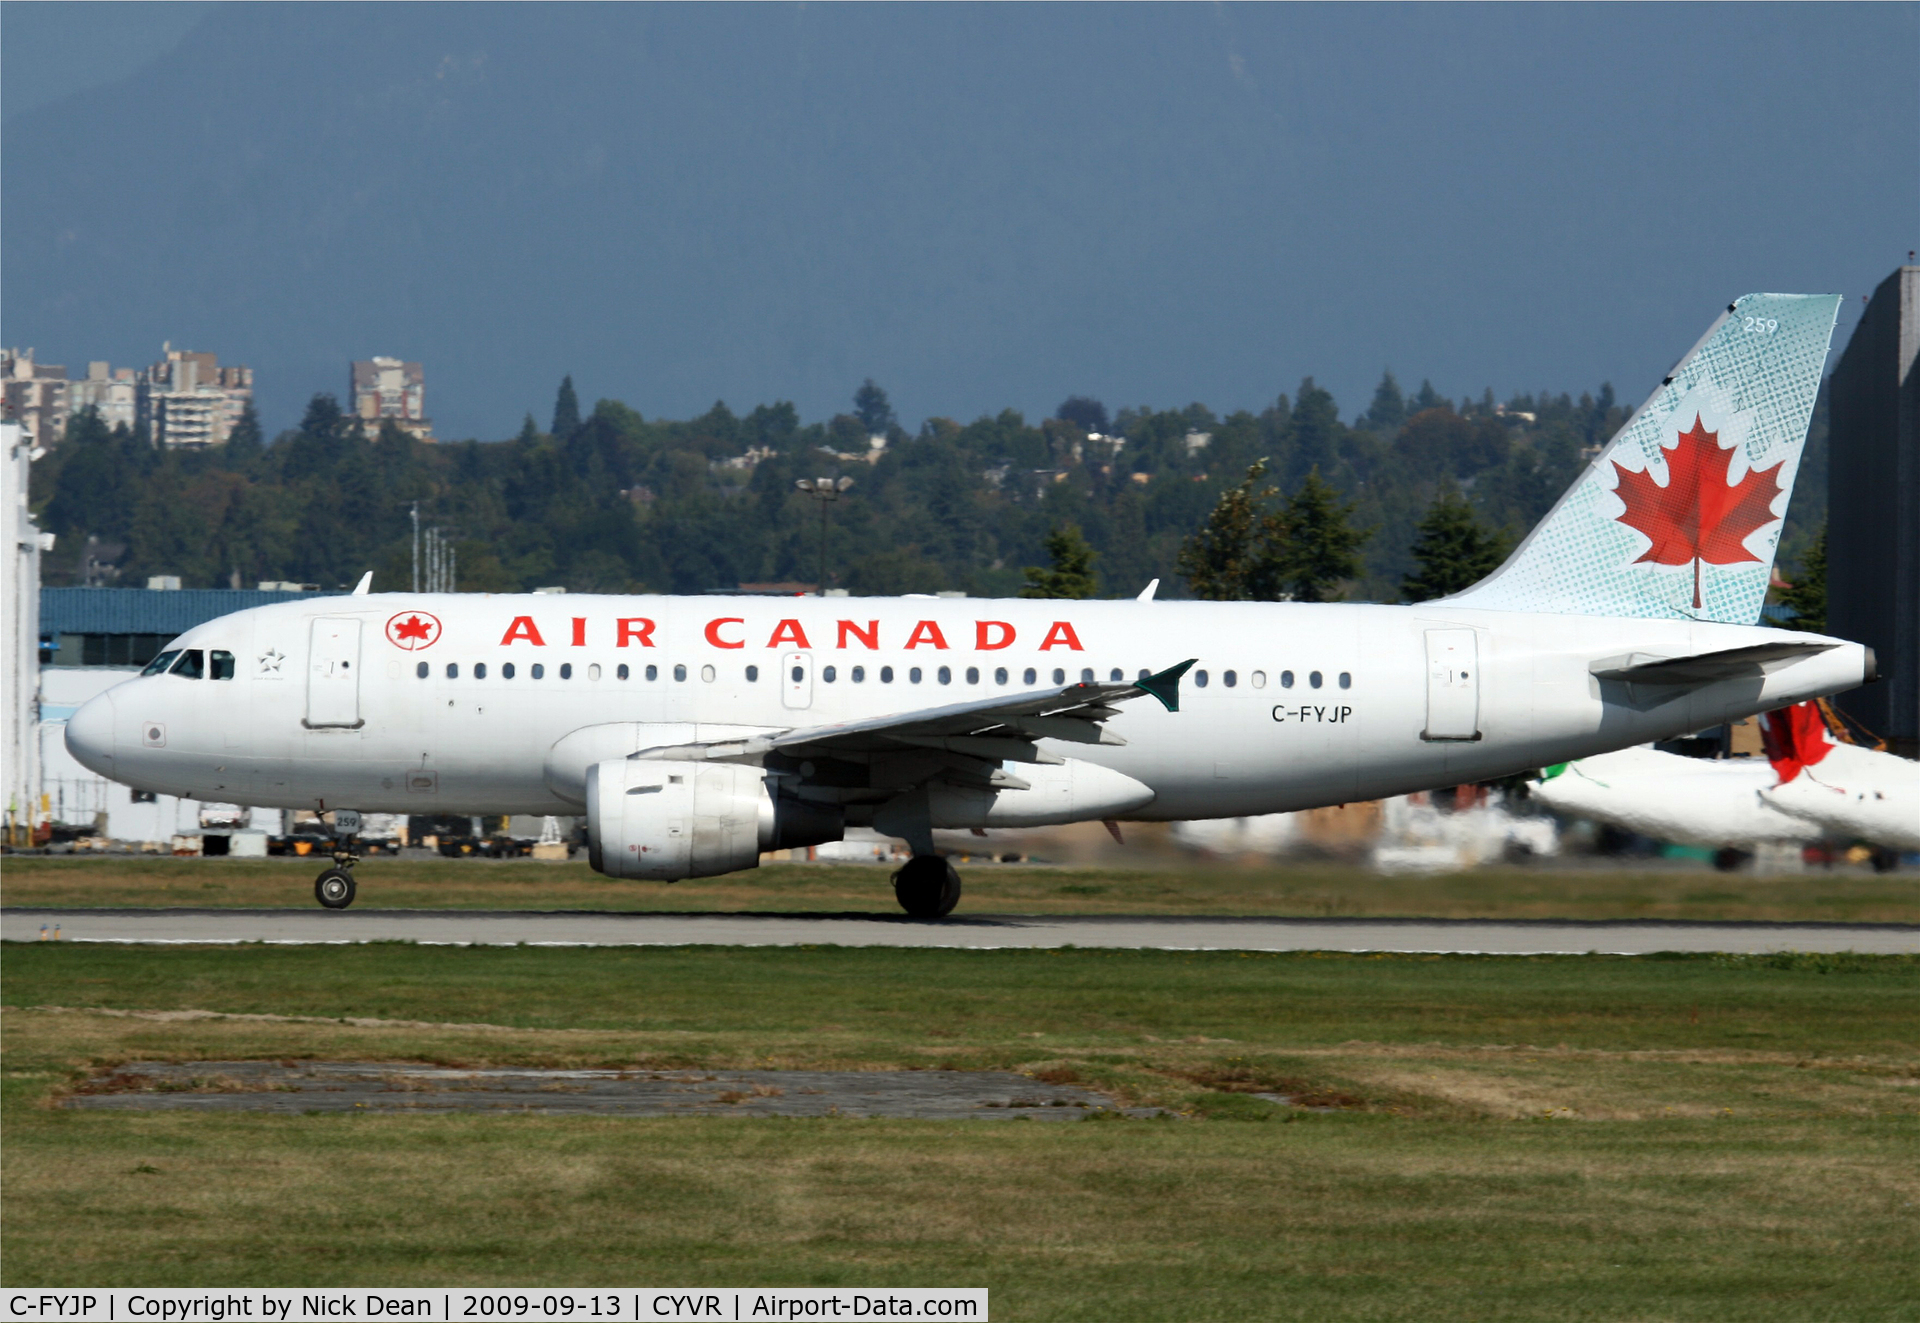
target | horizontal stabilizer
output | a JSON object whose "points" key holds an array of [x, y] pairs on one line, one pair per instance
{"points": [[1707, 667]]}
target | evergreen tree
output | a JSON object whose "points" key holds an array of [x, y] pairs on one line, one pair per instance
{"points": [[1808, 595], [1215, 561], [1072, 571], [870, 405], [1389, 408], [1317, 432], [1428, 398], [1323, 546], [1453, 550], [529, 434], [323, 417], [566, 409], [244, 443]]}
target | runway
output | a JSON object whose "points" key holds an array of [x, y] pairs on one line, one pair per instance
{"points": [[963, 931]]}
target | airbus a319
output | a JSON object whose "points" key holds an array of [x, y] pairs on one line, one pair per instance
{"points": [[695, 733]]}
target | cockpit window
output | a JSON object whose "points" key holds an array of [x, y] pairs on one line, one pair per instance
{"points": [[160, 663], [192, 664], [222, 665]]}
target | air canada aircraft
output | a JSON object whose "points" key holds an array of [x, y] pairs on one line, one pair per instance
{"points": [[694, 733]]}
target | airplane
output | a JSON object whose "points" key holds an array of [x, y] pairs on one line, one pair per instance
{"points": [[1808, 788], [696, 733]]}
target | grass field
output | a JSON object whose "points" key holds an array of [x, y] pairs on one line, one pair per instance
{"points": [[1310, 889], [1700, 1137]]}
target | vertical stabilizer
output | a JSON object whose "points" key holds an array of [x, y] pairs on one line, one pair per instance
{"points": [[1680, 514]]}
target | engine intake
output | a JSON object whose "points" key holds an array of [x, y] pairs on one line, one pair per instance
{"points": [[667, 819]]}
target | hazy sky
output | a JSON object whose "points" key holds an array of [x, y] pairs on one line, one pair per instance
{"points": [[980, 207]]}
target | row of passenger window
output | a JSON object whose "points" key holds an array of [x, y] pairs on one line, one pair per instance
{"points": [[858, 674]]}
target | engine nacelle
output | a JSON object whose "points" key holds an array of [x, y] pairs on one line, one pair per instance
{"points": [[667, 819]]}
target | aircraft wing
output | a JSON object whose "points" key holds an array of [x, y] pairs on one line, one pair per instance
{"points": [[1004, 727], [1706, 667]]}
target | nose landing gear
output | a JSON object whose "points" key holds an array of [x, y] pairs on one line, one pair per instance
{"points": [[927, 887]]}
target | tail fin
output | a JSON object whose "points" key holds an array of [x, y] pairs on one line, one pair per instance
{"points": [[1679, 516]]}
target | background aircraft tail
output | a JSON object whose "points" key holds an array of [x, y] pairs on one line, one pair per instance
{"points": [[1680, 514]]}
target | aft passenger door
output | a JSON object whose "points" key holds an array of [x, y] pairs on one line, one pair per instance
{"points": [[1453, 685], [796, 679], [333, 674]]}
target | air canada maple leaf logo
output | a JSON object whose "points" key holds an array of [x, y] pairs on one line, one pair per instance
{"points": [[1698, 516], [413, 630]]}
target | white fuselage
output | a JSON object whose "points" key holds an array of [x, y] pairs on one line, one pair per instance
{"points": [[377, 703]]}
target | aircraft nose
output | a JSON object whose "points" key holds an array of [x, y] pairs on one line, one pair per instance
{"points": [[90, 734]]}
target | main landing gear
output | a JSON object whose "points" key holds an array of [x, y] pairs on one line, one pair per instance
{"points": [[335, 887], [926, 886]]}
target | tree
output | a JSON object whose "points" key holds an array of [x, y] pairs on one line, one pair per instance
{"points": [[1427, 398], [566, 409], [1072, 572], [1807, 597], [244, 442], [1323, 546], [1236, 551], [875, 413], [323, 417], [1389, 407], [1084, 412], [1454, 549]]}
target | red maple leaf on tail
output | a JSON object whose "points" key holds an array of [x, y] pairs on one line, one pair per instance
{"points": [[1698, 516]]}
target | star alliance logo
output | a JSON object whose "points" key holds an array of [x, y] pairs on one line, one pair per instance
{"points": [[270, 661]]}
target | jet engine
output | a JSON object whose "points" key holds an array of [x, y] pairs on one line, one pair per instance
{"points": [[667, 819]]}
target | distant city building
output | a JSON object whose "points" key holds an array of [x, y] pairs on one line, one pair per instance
{"points": [[113, 392], [188, 399], [36, 396], [1873, 507], [386, 389]]}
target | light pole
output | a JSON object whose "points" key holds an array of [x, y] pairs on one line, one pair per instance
{"points": [[823, 490]]}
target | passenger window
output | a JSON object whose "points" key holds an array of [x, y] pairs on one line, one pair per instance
{"points": [[566, 670], [858, 674], [973, 675], [1229, 678], [827, 673], [1346, 679], [1030, 676], [621, 672], [945, 674], [1086, 675], [679, 670], [999, 675], [539, 671], [886, 675], [913, 675], [1258, 679], [753, 674], [593, 671], [1117, 675], [653, 672], [192, 664], [1059, 676], [479, 670], [1286, 679], [422, 670], [159, 664], [1314, 679], [1199, 679], [222, 665], [453, 670], [506, 670], [707, 673]]}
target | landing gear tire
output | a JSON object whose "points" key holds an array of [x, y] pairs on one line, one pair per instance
{"points": [[927, 887], [334, 888]]}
